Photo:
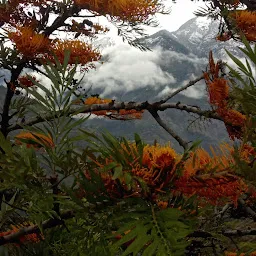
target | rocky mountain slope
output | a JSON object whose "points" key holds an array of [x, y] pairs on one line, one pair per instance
{"points": [[198, 35]]}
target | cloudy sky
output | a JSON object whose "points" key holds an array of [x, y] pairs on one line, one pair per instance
{"points": [[181, 11]]}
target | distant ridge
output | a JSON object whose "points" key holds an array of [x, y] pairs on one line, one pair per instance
{"points": [[166, 40], [199, 36]]}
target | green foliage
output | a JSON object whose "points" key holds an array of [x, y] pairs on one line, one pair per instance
{"points": [[244, 98], [244, 89], [147, 230]]}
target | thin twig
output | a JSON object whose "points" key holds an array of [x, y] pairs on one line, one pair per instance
{"points": [[223, 210], [181, 89], [182, 143], [248, 209], [237, 232], [234, 243]]}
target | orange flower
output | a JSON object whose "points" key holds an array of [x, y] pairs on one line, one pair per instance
{"points": [[236, 122], [127, 10], [211, 63], [245, 21], [30, 238], [225, 188], [210, 177], [158, 165], [246, 152], [11, 12], [29, 43], [201, 161], [36, 140], [162, 204], [156, 170], [218, 92], [96, 100], [121, 114], [223, 36], [25, 81], [80, 52], [98, 28], [124, 114], [159, 157]]}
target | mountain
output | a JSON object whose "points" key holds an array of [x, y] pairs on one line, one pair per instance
{"points": [[166, 41], [199, 33], [104, 43]]}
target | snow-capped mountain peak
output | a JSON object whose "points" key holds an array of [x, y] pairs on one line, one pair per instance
{"points": [[203, 22]]}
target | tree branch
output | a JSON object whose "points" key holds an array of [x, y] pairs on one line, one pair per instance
{"points": [[251, 5], [248, 209], [118, 106], [8, 98], [237, 232], [182, 143], [181, 89], [59, 21], [50, 223], [228, 233]]}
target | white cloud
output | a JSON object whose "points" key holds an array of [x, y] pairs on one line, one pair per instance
{"points": [[181, 12], [128, 69], [196, 91], [180, 57], [166, 91]]}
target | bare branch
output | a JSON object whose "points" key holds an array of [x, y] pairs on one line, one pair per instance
{"points": [[248, 209], [237, 232], [118, 106], [228, 233], [223, 210], [182, 143], [181, 89], [50, 223], [251, 5]]}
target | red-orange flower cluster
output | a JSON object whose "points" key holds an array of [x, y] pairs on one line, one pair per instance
{"points": [[24, 81], [218, 90], [80, 52], [30, 238], [126, 10], [29, 43], [223, 36], [246, 22], [121, 114], [12, 12], [211, 177], [35, 140], [155, 170]]}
